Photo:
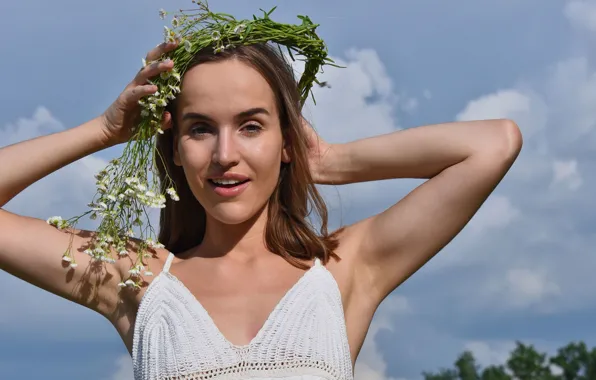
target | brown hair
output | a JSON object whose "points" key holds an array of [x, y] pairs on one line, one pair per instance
{"points": [[288, 233]]}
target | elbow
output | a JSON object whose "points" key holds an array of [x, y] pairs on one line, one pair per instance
{"points": [[506, 141], [513, 137]]}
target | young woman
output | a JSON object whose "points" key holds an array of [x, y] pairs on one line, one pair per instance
{"points": [[246, 287]]}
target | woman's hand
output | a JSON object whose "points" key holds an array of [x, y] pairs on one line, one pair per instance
{"points": [[320, 154], [123, 115]]}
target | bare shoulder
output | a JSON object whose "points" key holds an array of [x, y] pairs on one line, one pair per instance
{"points": [[33, 250]]}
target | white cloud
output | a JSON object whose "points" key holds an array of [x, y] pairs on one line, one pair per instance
{"points": [[70, 188], [490, 353], [522, 106], [525, 287], [360, 103], [581, 14], [496, 212], [123, 368], [567, 173], [370, 364]]}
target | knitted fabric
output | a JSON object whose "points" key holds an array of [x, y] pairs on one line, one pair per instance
{"points": [[304, 337]]}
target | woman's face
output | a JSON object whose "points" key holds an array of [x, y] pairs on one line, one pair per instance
{"points": [[230, 143]]}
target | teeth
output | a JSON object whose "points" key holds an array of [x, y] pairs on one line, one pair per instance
{"points": [[226, 181]]}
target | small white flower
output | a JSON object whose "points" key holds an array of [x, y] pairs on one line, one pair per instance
{"points": [[141, 187], [144, 61], [239, 28], [103, 205], [54, 220], [160, 131], [162, 14], [187, 46], [131, 180], [121, 285], [134, 272], [175, 22], [112, 198], [74, 265], [161, 103], [123, 253], [150, 194], [216, 36], [129, 282], [66, 258], [148, 273]]}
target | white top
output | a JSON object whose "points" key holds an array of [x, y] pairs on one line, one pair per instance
{"points": [[304, 337]]}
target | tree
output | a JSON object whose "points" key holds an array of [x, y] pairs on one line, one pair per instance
{"points": [[575, 361], [495, 373], [466, 366]]}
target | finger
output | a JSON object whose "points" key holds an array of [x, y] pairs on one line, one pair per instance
{"points": [[152, 70], [159, 50], [133, 95]]}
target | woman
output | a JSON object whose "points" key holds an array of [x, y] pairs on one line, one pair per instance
{"points": [[246, 287]]}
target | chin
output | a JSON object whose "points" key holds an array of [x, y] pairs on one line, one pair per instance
{"points": [[234, 212]]}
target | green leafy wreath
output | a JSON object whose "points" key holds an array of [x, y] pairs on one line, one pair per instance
{"points": [[123, 188]]}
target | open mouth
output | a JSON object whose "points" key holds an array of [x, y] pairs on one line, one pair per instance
{"points": [[229, 187], [227, 184]]}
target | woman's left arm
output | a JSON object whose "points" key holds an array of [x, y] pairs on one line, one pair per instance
{"points": [[463, 162]]}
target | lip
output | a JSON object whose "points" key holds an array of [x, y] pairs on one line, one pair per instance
{"points": [[228, 192], [232, 176]]}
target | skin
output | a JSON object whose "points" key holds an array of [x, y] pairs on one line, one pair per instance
{"points": [[236, 279]]}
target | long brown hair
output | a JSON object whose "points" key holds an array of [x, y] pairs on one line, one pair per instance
{"points": [[288, 232]]}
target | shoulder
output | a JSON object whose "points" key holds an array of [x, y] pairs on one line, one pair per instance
{"points": [[141, 268]]}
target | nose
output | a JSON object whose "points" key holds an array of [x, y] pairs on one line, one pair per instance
{"points": [[226, 153]]}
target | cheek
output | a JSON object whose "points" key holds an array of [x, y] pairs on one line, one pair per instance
{"points": [[264, 159], [195, 161]]}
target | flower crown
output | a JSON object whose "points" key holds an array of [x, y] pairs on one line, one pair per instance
{"points": [[123, 188]]}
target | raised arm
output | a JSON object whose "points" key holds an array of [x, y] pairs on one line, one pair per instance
{"points": [[463, 162], [30, 248]]}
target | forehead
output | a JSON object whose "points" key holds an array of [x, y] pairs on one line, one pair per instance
{"points": [[225, 86]]}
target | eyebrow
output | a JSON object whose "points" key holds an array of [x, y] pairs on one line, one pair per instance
{"points": [[244, 114]]}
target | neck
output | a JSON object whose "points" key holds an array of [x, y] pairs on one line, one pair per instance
{"points": [[244, 241]]}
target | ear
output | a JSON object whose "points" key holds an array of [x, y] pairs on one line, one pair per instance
{"points": [[168, 124], [285, 154]]}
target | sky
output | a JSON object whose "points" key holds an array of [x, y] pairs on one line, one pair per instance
{"points": [[521, 270]]}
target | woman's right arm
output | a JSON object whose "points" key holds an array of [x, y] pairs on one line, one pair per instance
{"points": [[30, 248]]}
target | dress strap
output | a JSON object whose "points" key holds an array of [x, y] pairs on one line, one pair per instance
{"points": [[166, 267], [317, 262]]}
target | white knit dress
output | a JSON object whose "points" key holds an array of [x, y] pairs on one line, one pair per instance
{"points": [[304, 337]]}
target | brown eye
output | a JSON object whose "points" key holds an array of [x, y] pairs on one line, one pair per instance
{"points": [[200, 130], [252, 129]]}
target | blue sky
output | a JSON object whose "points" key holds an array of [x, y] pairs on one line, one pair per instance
{"points": [[522, 268]]}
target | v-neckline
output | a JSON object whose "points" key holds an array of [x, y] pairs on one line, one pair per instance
{"points": [[270, 317]]}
